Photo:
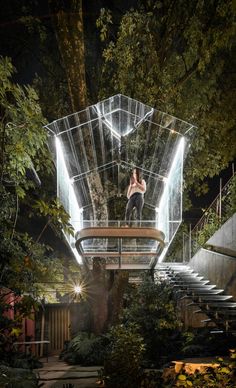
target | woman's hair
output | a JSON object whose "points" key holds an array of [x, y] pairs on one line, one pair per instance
{"points": [[139, 175]]}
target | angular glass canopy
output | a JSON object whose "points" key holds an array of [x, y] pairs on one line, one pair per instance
{"points": [[95, 151]]}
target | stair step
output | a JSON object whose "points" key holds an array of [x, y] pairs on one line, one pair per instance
{"points": [[216, 297], [202, 287], [222, 331], [227, 312], [190, 281], [217, 331], [204, 292], [230, 305]]}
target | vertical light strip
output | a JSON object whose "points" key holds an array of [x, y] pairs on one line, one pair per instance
{"points": [[73, 204], [164, 202]]}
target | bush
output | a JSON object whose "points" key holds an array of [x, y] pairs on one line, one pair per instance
{"points": [[85, 349], [200, 343], [25, 361], [153, 309], [17, 378], [122, 363]]}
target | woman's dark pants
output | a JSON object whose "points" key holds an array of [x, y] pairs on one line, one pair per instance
{"points": [[136, 201]]}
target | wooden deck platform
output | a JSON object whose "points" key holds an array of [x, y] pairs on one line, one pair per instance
{"points": [[121, 243]]}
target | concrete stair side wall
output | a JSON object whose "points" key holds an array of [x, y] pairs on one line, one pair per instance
{"points": [[224, 239], [219, 269], [219, 264]]}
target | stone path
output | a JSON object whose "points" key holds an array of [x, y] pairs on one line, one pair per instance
{"points": [[58, 374]]}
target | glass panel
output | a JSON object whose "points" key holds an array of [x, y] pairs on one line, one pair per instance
{"points": [[95, 151]]}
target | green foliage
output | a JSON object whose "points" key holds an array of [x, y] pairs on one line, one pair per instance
{"points": [[56, 214], [177, 57], [25, 361], [85, 349], [153, 309], [124, 356], [175, 252], [103, 22], [199, 343], [24, 261], [17, 378], [152, 379], [231, 198], [23, 140], [212, 220], [212, 225], [223, 376], [23, 144]]}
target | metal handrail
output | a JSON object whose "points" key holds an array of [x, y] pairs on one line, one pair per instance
{"points": [[217, 207], [217, 211]]}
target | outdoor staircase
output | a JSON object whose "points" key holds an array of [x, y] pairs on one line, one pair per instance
{"points": [[219, 308]]}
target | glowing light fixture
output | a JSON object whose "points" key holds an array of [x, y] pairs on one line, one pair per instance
{"points": [[77, 289]]}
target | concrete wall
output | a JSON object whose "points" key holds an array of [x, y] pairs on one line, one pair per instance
{"points": [[225, 238], [218, 268]]}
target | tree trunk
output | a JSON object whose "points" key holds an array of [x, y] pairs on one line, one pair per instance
{"points": [[68, 22], [99, 296], [115, 300]]}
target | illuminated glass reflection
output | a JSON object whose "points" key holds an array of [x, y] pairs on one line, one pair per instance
{"points": [[95, 151]]}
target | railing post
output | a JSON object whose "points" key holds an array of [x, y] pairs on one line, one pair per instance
{"points": [[220, 198], [190, 241], [183, 245]]}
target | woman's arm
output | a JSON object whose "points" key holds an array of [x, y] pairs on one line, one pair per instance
{"points": [[142, 185], [129, 190]]}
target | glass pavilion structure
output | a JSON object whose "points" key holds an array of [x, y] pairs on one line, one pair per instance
{"points": [[94, 152]]}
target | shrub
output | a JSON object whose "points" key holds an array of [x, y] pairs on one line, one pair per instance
{"points": [[17, 378], [85, 349], [153, 309], [122, 363], [200, 343]]}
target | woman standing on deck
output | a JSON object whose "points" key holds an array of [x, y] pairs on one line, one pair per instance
{"points": [[135, 195]]}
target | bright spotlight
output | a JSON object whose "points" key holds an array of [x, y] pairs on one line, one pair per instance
{"points": [[77, 289]]}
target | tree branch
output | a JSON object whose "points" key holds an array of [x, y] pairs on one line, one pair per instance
{"points": [[186, 76]]}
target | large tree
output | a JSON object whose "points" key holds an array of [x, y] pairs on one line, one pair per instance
{"points": [[57, 30], [68, 22], [178, 57]]}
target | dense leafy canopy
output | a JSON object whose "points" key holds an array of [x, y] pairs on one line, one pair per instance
{"points": [[178, 57], [23, 150]]}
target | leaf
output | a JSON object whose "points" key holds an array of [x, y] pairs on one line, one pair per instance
{"points": [[225, 370], [182, 377], [15, 331]]}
